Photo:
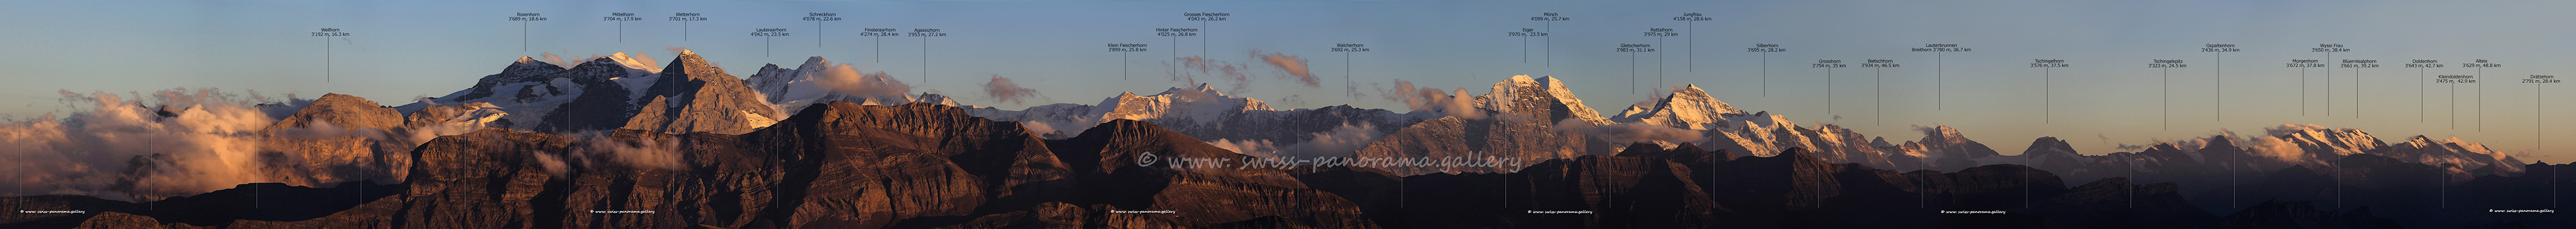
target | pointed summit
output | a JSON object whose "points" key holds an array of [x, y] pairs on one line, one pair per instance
{"points": [[2325, 141], [1950, 142], [1943, 132], [2050, 145], [690, 65], [525, 69], [1544, 97], [815, 61], [2053, 154], [693, 96], [526, 66], [1687, 107]]}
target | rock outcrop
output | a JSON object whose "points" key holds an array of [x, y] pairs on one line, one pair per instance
{"points": [[336, 138], [693, 96]]}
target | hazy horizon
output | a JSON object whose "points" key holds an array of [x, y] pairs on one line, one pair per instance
{"points": [[400, 50]]}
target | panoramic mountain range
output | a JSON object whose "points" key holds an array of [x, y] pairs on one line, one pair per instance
{"points": [[613, 142]]}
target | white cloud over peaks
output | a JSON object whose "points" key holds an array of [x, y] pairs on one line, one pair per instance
{"points": [[1248, 147], [1344, 140], [1624, 133], [178, 142], [2277, 149], [117, 146], [1296, 67], [876, 85], [1433, 99], [1003, 90], [1621, 134], [648, 61], [1035, 127], [558, 61], [642, 60], [675, 50]]}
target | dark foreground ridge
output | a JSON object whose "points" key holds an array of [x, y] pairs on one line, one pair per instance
{"points": [[922, 165]]}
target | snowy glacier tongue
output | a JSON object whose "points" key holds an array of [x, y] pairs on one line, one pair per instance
{"points": [[1204, 111]]}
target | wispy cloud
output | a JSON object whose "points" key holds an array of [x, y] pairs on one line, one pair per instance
{"points": [[1003, 90], [551, 58], [1296, 67], [875, 85]]}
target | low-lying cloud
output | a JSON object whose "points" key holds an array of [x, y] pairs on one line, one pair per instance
{"points": [[1344, 140], [1433, 99], [1624, 133], [187, 141], [181, 142], [1620, 134], [1248, 147], [646, 152]]}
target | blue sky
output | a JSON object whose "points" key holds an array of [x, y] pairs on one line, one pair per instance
{"points": [[403, 49]]}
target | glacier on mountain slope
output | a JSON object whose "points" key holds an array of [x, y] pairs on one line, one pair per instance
{"points": [[611, 90], [532, 89], [1946, 149], [1210, 115], [820, 81]]}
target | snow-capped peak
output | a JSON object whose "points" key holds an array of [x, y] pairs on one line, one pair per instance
{"points": [[1203, 87], [2421, 149], [530, 64], [1523, 95], [817, 81], [816, 63], [1203, 104], [631, 63], [1944, 133], [2328, 141], [1691, 94], [1687, 107], [927, 97]]}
